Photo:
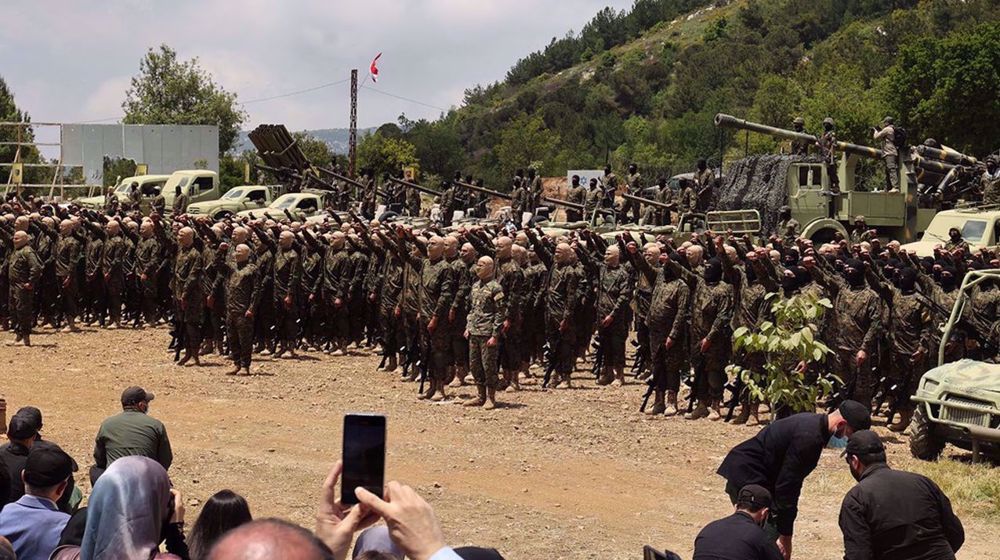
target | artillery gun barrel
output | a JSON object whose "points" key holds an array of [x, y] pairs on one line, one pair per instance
{"points": [[420, 188], [654, 203], [729, 121], [484, 190], [339, 177], [946, 155], [560, 202], [932, 165]]}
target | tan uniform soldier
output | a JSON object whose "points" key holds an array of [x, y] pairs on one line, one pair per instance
{"points": [[486, 317], [243, 292], [24, 271]]}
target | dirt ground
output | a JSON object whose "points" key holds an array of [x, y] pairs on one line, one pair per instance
{"points": [[558, 474]]}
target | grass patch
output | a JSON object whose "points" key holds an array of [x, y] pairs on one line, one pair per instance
{"points": [[973, 489]]}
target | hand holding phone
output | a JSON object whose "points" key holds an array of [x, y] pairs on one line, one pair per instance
{"points": [[364, 455]]}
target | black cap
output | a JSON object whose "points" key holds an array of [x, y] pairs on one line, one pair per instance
{"points": [[864, 442], [755, 495], [135, 395], [21, 427], [47, 466], [856, 414], [32, 414], [477, 553]]}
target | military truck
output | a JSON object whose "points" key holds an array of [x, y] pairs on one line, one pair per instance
{"points": [[149, 186], [806, 185], [302, 205], [199, 184], [980, 227], [236, 199], [959, 402]]}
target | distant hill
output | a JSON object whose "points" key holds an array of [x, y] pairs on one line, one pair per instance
{"points": [[336, 138]]}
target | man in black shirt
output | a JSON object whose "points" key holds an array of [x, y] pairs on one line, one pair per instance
{"points": [[740, 536], [14, 454], [894, 515], [782, 455]]}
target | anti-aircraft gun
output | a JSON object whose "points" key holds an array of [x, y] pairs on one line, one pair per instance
{"points": [[945, 176], [802, 182]]}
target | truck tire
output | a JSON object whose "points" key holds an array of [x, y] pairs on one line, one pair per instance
{"points": [[924, 443]]}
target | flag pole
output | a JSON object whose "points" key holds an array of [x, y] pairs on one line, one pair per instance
{"points": [[353, 141]]}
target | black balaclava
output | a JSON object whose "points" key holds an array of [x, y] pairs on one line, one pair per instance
{"points": [[576, 180], [790, 258], [954, 234], [908, 280], [713, 271], [948, 281], [854, 272], [927, 263]]}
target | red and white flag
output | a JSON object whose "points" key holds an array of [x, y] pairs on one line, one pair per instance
{"points": [[373, 69]]}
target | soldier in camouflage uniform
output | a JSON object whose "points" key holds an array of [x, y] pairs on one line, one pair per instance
{"points": [[799, 147], [688, 201], [93, 299], [243, 292], [614, 291], [24, 270], [436, 293], [592, 200], [67, 260], [852, 328], [188, 295], [486, 318], [147, 262], [827, 144], [461, 264], [413, 201], [561, 300], [510, 276], [113, 268], [111, 202], [181, 201], [336, 289], [390, 290], [287, 287], [634, 187], [577, 195]]}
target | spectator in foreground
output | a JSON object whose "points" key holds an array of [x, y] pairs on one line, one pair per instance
{"points": [[130, 512], [741, 535], [72, 497], [33, 523], [224, 511], [894, 515], [270, 538], [133, 432], [6, 550], [21, 435]]}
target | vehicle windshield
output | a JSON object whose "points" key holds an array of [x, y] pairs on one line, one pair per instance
{"points": [[973, 231], [284, 201], [233, 194]]}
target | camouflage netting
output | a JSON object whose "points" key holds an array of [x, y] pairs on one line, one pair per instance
{"points": [[758, 183]]}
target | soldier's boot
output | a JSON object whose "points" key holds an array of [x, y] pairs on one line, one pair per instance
{"points": [[391, 364], [515, 384], [671, 409], [477, 401], [339, 347], [185, 358], [491, 399], [235, 370], [439, 395], [71, 325], [619, 377], [744, 415], [26, 339], [700, 411], [715, 411], [457, 377], [430, 390], [904, 421], [658, 405]]}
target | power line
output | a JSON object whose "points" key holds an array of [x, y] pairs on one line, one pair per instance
{"points": [[405, 98], [297, 92]]}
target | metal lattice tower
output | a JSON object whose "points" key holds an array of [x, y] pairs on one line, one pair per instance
{"points": [[353, 141]]}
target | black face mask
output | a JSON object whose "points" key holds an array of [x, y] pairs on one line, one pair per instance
{"points": [[713, 271], [854, 272], [907, 280]]}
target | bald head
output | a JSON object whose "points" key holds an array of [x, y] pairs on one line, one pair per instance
{"points": [[564, 253], [185, 237], [503, 247], [285, 239], [21, 238], [66, 227], [451, 246], [651, 253], [267, 539], [435, 247], [484, 269], [113, 228], [240, 235]]}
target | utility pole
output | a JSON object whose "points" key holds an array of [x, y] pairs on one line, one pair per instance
{"points": [[352, 153]]}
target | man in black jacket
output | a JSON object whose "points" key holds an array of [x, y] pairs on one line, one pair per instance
{"points": [[782, 455], [894, 515], [741, 535]]}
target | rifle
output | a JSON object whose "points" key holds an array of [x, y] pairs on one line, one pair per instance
{"points": [[484, 190], [698, 366], [420, 188], [549, 354], [180, 337], [423, 364], [736, 388], [598, 347], [650, 386], [975, 329]]}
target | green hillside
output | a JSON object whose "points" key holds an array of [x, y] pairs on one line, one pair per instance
{"points": [[644, 85]]}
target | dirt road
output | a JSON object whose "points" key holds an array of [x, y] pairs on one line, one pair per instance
{"points": [[557, 474]]}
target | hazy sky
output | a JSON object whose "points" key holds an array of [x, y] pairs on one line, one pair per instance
{"points": [[71, 61]]}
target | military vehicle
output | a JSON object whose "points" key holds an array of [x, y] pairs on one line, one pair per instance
{"points": [[980, 228], [302, 205], [149, 186], [236, 199], [959, 402], [198, 184], [805, 187]]}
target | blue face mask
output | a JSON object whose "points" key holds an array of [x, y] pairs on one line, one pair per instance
{"points": [[837, 442]]}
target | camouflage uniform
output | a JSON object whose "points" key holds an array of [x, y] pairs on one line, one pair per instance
{"points": [[561, 300], [688, 201], [486, 318], [634, 188], [113, 268], [357, 302], [311, 302], [159, 204], [187, 290], [576, 195], [94, 301], [511, 279], [23, 268], [287, 283], [147, 261], [180, 204], [436, 293], [336, 285], [462, 279], [890, 156], [668, 318], [614, 291], [711, 319], [592, 201], [67, 260], [243, 292], [827, 145]]}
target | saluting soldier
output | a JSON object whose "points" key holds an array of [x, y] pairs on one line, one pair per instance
{"points": [[243, 292], [24, 270], [186, 286], [486, 318], [113, 268], [67, 260], [287, 281]]}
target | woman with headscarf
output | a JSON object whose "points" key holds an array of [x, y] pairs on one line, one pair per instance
{"points": [[130, 512]]}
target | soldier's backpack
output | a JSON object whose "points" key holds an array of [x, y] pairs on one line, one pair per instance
{"points": [[899, 136]]}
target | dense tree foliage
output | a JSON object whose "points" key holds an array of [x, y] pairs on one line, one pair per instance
{"points": [[644, 85], [170, 91]]}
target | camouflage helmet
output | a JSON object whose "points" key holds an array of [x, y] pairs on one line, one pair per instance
{"points": [[828, 120], [887, 120], [799, 120]]}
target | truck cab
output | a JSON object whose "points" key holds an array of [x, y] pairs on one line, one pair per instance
{"points": [[236, 200], [199, 184], [980, 228], [149, 187], [302, 205]]}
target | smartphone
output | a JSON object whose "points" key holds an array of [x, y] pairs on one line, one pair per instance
{"points": [[364, 456]]}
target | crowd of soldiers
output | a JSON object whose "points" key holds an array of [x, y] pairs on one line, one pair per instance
{"points": [[489, 301]]}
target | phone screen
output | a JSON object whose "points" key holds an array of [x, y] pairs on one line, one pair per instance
{"points": [[364, 455]]}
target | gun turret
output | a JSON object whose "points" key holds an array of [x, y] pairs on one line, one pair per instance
{"points": [[420, 188], [729, 121], [484, 190], [654, 203]]}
